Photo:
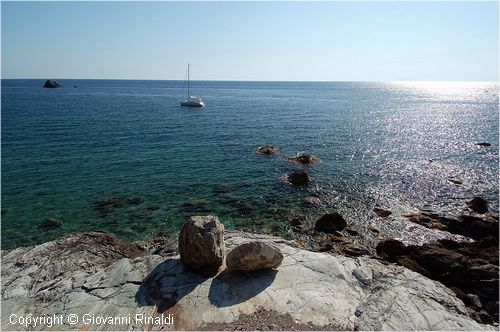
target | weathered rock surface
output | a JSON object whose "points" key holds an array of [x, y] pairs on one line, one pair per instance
{"points": [[471, 268], [330, 222], [201, 242], [478, 204], [470, 226], [267, 149], [97, 274], [51, 84], [304, 159], [253, 256], [298, 178]]}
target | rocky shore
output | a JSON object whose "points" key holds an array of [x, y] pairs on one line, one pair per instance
{"points": [[398, 288]]}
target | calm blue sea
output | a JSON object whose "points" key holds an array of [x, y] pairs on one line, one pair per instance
{"points": [[64, 149]]}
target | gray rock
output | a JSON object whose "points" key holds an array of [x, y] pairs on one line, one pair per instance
{"points": [[201, 242], [330, 222], [103, 276], [253, 256]]}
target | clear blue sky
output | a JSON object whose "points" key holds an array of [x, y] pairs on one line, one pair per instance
{"points": [[320, 41]]}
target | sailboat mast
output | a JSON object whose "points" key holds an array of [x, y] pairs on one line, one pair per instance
{"points": [[188, 80]]}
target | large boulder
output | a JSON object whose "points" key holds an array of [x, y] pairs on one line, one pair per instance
{"points": [[253, 256], [478, 204], [51, 84], [298, 178], [201, 242], [267, 149], [330, 222]]}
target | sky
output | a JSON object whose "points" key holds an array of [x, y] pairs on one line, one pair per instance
{"points": [[260, 41]]}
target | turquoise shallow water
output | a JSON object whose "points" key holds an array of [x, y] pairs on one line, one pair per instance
{"points": [[64, 149]]}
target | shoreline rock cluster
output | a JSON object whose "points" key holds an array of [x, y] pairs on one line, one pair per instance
{"points": [[299, 177], [96, 273]]}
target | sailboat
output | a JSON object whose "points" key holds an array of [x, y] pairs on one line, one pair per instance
{"points": [[191, 100]]}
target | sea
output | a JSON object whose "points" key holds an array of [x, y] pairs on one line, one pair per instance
{"points": [[67, 152]]}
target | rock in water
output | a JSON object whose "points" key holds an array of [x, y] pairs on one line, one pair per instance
{"points": [[267, 149], [51, 223], [381, 212], [135, 200], [51, 84], [311, 200], [330, 223], [305, 159], [478, 204], [298, 178], [201, 242], [253, 256]]}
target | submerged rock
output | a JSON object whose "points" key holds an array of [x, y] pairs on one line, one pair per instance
{"points": [[298, 178], [51, 223], [305, 159], [197, 205], [253, 256], [222, 188], [201, 242], [51, 84], [478, 204], [108, 204], [330, 223], [135, 200], [267, 149]]}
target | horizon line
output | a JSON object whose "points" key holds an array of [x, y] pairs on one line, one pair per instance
{"points": [[270, 81]]}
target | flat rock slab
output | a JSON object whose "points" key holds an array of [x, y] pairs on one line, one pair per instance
{"points": [[310, 289]]}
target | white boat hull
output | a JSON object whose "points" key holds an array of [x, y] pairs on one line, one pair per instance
{"points": [[192, 103]]}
